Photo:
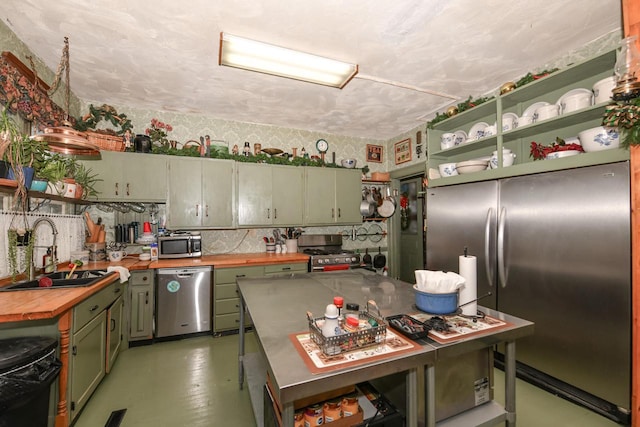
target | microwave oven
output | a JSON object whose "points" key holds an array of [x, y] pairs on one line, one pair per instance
{"points": [[183, 245]]}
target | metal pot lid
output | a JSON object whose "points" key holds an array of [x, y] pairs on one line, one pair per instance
{"points": [[386, 209]]}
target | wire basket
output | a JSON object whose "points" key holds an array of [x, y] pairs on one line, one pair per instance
{"points": [[348, 341], [106, 142]]}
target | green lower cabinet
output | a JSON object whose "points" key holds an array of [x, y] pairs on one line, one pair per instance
{"points": [[96, 340], [226, 310], [141, 293], [115, 332], [87, 361]]}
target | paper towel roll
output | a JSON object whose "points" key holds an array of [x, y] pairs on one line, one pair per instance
{"points": [[468, 270]]}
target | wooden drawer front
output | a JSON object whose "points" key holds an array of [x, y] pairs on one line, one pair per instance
{"points": [[92, 306], [142, 277], [227, 322], [285, 268], [229, 275], [231, 305], [229, 290]]}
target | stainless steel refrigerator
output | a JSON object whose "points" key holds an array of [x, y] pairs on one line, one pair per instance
{"points": [[553, 248]]}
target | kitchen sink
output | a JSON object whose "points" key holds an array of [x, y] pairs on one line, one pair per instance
{"points": [[59, 280]]}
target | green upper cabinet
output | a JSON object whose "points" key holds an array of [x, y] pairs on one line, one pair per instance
{"points": [[130, 176], [518, 102], [332, 196], [201, 193], [269, 195]]}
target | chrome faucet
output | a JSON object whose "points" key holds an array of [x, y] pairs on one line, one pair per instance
{"points": [[54, 249]]}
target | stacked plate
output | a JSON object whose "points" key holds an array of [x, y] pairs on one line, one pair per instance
{"points": [[471, 166]]}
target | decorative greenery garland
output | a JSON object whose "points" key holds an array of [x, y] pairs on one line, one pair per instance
{"points": [[465, 105], [107, 112], [625, 115]]}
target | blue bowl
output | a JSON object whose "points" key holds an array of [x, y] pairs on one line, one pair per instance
{"points": [[436, 303]]}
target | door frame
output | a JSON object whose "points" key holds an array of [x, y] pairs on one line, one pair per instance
{"points": [[393, 228]]}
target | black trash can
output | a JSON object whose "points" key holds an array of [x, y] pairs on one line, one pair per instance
{"points": [[28, 366]]}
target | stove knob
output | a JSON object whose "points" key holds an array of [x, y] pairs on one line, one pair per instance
{"points": [[327, 261], [354, 259], [320, 261]]}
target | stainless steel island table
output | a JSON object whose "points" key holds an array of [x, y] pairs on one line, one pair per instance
{"points": [[278, 307]]}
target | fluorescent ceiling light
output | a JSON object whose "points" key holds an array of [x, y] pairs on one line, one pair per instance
{"points": [[278, 61]]}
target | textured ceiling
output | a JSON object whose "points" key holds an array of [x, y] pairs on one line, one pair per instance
{"points": [[162, 54]]}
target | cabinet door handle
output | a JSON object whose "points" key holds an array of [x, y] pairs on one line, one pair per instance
{"points": [[275, 213], [116, 290], [333, 213], [146, 297], [117, 189], [268, 213], [74, 350], [240, 275], [286, 268], [113, 325], [197, 209], [207, 211], [94, 308], [339, 213], [128, 189]]}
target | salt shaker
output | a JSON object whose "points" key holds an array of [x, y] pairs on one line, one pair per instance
{"points": [[331, 326]]}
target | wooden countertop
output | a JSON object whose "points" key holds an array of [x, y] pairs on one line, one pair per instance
{"points": [[37, 304], [16, 306]]}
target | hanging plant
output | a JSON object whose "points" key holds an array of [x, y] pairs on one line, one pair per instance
{"points": [[24, 238]]}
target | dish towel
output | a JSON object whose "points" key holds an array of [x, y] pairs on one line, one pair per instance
{"points": [[123, 271]]}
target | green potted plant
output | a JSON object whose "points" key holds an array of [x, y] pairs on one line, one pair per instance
{"points": [[22, 154], [85, 181], [54, 170]]}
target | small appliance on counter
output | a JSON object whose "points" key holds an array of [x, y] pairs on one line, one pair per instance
{"points": [[180, 244]]}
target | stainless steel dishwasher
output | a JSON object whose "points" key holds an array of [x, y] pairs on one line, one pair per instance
{"points": [[183, 301]]}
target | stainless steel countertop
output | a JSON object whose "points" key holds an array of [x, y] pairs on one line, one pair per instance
{"points": [[278, 307]]}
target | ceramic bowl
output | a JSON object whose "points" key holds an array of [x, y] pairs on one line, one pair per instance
{"points": [[599, 138], [471, 166], [575, 102], [524, 121], [546, 112], [447, 169], [348, 163], [560, 154], [603, 89]]}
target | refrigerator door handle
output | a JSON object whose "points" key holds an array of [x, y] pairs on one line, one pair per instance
{"points": [[487, 246], [500, 247]]}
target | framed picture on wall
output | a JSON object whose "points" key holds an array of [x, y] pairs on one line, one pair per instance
{"points": [[402, 151], [374, 153]]}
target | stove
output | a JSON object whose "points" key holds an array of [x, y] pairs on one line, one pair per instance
{"points": [[326, 253]]}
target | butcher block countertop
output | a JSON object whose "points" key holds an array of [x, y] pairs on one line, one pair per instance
{"points": [[16, 306], [38, 304]]}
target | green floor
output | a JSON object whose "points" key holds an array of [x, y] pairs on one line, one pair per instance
{"points": [[194, 382]]}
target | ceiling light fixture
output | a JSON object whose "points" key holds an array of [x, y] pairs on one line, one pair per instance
{"points": [[266, 58]]}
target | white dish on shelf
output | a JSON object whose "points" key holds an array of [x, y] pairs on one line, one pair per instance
{"points": [[530, 111], [471, 166], [461, 137], [509, 121], [477, 131], [560, 154], [574, 100]]}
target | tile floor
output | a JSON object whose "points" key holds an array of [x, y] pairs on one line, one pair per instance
{"points": [[193, 382]]}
